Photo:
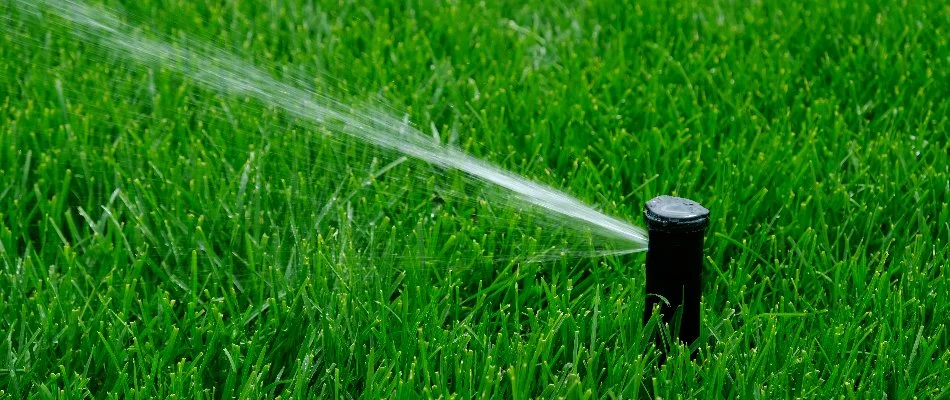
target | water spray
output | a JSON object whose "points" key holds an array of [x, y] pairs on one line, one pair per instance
{"points": [[674, 264], [218, 70]]}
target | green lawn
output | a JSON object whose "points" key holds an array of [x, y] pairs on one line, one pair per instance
{"points": [[158, 239]]}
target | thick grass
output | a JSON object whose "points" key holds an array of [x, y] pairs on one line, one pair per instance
{"points": [[145, 252]]}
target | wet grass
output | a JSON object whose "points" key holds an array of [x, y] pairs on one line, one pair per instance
{"points": [[157, 240]]}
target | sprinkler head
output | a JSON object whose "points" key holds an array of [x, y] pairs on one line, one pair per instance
{"points": [[674, 266]]}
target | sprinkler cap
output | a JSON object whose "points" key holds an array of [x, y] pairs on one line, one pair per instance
{"points": [[675, 215]]}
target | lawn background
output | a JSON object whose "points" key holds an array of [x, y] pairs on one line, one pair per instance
{"points": [[144, 251]]}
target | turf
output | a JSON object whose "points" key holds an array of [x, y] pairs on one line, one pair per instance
{"points": [[146, 253]]}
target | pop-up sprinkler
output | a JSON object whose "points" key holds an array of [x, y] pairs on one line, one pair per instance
{"points": [[675, 261]]}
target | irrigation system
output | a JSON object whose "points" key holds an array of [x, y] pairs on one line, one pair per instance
{"points": [[674, 266], [676, 226]]}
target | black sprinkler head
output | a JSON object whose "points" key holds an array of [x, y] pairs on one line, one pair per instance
{"points": [[674, 267]]}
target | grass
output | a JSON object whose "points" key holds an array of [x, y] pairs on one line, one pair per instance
{"points": [[145, 253]]}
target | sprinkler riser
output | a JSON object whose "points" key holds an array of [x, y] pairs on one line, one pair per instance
{"points": [[674, 264]]}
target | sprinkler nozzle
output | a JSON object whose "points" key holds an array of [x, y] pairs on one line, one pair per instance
{"points": [[674, 267]]}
